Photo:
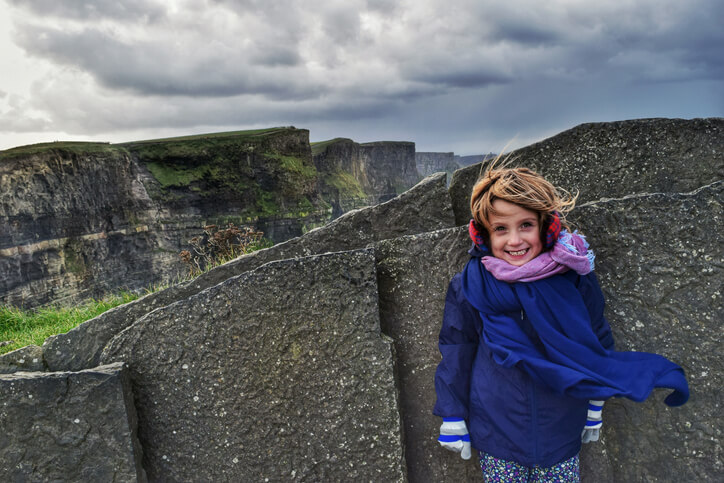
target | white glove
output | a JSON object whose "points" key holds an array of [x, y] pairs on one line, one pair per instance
{"points": [[454, 436], [594, 422]]}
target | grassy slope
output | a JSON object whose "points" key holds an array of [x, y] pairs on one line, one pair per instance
{"points": [[27, 327]]}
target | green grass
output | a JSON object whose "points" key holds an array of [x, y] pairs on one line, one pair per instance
{"points": [[294, 164], [32, 327], [74, 146], [320, 146], [176, 176], [346, 184], [196, 137], [26, 327]]}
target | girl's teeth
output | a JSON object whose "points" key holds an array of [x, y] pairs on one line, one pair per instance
{"points": [[518, 253]]}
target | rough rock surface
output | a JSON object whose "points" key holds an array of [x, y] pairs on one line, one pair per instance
{"points": [[69, 426], [413, 275], [660, 263], [74, 225], [28, 358], [615, 159], [281, 373], [425, 207]]}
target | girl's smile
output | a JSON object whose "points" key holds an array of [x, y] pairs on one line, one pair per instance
{"points": [[514, 233]]}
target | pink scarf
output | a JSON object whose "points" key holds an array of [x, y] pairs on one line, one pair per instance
{"points": [[570, 252]]}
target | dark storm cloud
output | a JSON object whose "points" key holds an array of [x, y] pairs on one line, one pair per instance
{"points": [[149, 67], [463, 77], [93, 9]]}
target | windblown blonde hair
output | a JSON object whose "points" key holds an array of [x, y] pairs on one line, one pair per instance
{"points": [[521, 186]]}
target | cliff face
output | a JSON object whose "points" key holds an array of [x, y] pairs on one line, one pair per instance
{"points": [[263, 178], [429, 163], [357, 175], [74, 222], [78, 220]]}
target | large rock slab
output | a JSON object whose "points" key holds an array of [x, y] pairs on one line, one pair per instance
{"points": [[414, 272], [280, 373], [615, 159], [69, 426], [660, 261], [425, 207]]}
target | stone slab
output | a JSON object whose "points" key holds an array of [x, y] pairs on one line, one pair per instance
{"points": [[69, 426], [413, 275], [660, 259], [28, 359], [425, 207], [278, 374], [615, 159]]}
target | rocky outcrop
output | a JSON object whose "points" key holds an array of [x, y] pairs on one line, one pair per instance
{"points": [[357, 175], [615, 159], [77, 426], [280, 373], [80, 348]]}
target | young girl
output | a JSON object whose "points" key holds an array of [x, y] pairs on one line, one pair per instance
{"points": [[527, 355]]}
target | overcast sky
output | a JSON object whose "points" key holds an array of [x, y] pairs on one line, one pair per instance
{"points": [[464, 76]]}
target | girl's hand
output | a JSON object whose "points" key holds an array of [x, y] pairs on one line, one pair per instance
{"points": [[595, 420], [454, 436]]}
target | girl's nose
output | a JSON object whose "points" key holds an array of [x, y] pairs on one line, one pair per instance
{"points": [[514, 238]]}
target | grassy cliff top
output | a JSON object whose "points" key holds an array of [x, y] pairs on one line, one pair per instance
{"points": [[319, 146], [250, 134], [81, 147]]}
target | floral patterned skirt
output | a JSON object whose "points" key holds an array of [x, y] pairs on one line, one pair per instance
{"points": [[499, 470]]}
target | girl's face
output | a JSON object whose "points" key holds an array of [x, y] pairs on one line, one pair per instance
{"points": [[514, 233]]}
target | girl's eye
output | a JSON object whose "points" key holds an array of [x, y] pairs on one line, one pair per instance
{"points": [[498, 228]]}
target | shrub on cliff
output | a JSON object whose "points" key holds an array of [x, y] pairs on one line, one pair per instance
{"points": [[220, 245]]}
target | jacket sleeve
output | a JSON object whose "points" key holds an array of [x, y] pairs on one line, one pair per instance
{"points": [[595, 303], [458, 345]]}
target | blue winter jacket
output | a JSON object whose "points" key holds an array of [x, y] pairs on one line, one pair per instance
{"points": [[509, 415]]}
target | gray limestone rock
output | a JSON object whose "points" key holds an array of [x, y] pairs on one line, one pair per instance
{"points": [[29, 358], [660, 260], [614, 159], [413, 275], [69, 426], [280, 373], [425, 207]]}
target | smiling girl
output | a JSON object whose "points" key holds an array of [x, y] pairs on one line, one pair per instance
{"points": [[528, 357]]}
